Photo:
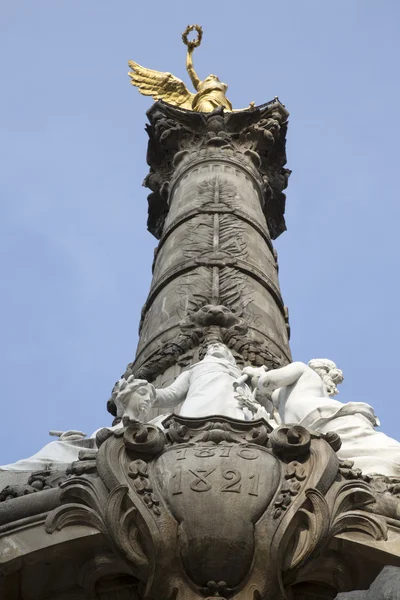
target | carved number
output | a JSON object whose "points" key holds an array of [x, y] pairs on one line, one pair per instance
{"points": [[226, 451], [204, 452], [247, 453], [181, 453], [234, 477], [177, 477], [200, 484], [255, 477]]}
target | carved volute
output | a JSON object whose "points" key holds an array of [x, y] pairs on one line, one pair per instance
{"points": [[219, 508]]}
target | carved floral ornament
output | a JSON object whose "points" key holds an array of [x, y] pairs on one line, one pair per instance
{"points": [[254, 140], [216, 507], [201, 326]]}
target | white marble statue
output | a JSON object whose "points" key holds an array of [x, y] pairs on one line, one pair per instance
{"points": [[132, 399], [207, 388], [55, 455], [302, 394]]}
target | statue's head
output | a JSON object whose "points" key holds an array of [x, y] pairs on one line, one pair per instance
{"points": [[210, 82], [218, 350], [132, 398], [329, 373]]}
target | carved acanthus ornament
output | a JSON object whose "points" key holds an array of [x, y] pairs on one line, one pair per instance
{"points": [[201, 326], [255, 138], [163, 499]]}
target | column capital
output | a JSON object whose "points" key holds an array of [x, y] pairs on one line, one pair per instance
{"points": [[255, 139]]}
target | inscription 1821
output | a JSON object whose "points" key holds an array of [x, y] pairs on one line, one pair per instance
{"points": [[198, 480], [217, 478]]}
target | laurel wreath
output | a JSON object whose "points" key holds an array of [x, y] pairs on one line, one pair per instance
{"points": [[196, 42]]}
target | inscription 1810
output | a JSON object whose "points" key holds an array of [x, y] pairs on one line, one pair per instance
{"points": [[221, 451]]}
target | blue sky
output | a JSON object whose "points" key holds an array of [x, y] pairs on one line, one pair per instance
{"points": [[75, 253]]}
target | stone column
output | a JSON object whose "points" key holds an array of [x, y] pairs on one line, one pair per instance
{"points": [[216, 203]]}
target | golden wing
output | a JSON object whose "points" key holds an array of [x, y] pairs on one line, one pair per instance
{"points": [[161, 86]]}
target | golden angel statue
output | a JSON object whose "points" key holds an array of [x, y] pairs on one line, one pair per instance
{"points": [[165, 86]]}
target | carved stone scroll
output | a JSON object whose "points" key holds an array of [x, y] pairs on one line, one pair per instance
{"points": [[217, 507]]}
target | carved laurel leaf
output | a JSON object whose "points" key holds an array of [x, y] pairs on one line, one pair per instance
{"points": [[316, 523], [315, 527], [231, 231], [83, 490], [83, 505], [121, 523], [73, 514], [232, 289], [199, 236], [346, 513], [217, 190], [190, 298], [360, 521], [228, 193], [352, 496], [251, 317]]}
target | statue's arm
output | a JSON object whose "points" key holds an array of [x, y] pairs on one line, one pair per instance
{"points": [[277, 378], [190, 68], [175, 393]]}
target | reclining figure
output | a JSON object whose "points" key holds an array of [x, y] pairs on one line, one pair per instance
{"points": [[303, 395]]}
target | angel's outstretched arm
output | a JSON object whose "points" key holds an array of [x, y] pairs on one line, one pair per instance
{"points": [[190, 68]]}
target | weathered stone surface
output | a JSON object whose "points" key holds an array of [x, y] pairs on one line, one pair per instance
{"points": [[217, 200], [385, 587], [357, 595], [255, 138], [219, 507], [213, 507], [72, 564], [28, 505]]}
